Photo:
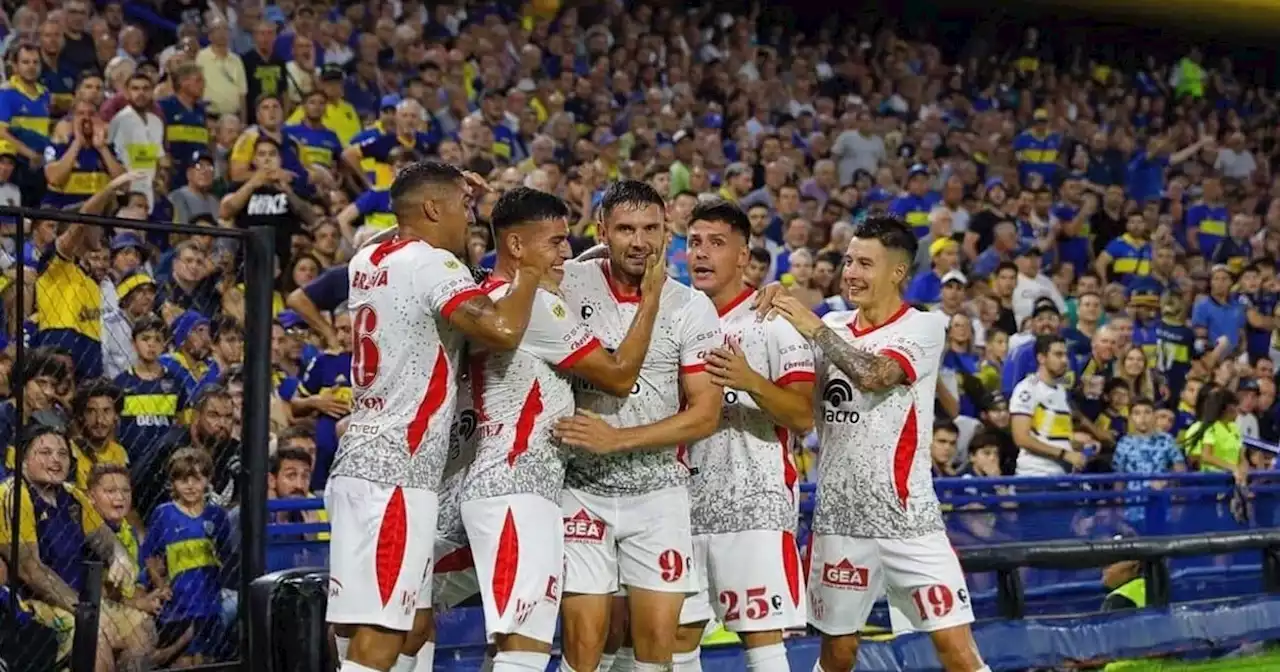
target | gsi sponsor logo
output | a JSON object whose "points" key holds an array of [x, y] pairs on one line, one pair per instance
{"points": [[845, 575], [581, 527]]}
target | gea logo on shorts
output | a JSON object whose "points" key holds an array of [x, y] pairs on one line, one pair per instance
{"points": [[582, 527], [837, 393], [845, 575]]}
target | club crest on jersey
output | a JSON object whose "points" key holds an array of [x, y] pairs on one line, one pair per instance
{"points": [[845, 575], [451, 265], [581, 527], [558, 311], [836, 393]]}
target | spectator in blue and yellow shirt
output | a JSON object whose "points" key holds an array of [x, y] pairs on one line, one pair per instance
{"points": [[1126, 256], [55, 73], [25, 115], [326, 392], [927, 286], [1235, 250], [79, 166], [39, 375], [186, 130], [339, 116], [378, 147], [187, 545], [57, 527], [1037, 150], [1260, 307], [914, 206], [317, 144], [271, 126], [154, 397], [504, 137], [1207, 220], [95, 410], [226, 351], [191, 343]]}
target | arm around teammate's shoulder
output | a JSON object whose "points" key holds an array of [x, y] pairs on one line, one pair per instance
{"points": [[501, 325]]}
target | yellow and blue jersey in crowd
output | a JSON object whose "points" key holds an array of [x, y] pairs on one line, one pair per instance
{"points": [[69, 314], [89, 175], [185, 369], [378, 147], [58, 529], [26, 112], [1115, 421], [1146, 337], [60, 82], [374, 206], [1073, 250], [1232, 252], [285, 384], [914, 210], [1210, 224], [1175, 350], [186, 131], [242, 152], [1037, 155], [339, 117], [316, 146], [504, 142], [1129, 257], [329, 373], [193, 549], [1183, 417], [151, 408]]}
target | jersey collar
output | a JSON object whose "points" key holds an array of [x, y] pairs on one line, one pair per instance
{"points": [[614, 289], [746, 293], [897, 315]]}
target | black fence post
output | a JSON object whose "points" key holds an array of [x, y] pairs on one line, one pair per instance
{"points": [[84, 647], [1009, 597], [19, 477], [259, 278], [1156, 572], [1271, 569]]}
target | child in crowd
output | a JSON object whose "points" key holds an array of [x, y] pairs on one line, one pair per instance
{"points": [[187, 545]]}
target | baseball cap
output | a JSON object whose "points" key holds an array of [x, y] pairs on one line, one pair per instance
{"points": [[122, 241], [332, 73], [200, 155], [606, 139], [993, 182], [993, 399], [917, 169], [938, 246], [391, 100], [680, 135], [1040, 114], [735, 169], [955, 276], [291, 320], [1045, 304], [1030, 251], [187, 323]]}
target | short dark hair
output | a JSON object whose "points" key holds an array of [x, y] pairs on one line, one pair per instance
{"points": [[761, 255], [93, 388], [983, 439], [224, 325], [283, 455], [416, 176], [1045, 342], [945, 426], [523, 205], [208, 393], [720, 210], [632, 194], [1142, 401], [304, 429], [105, 469], [893, 233], [1006, 266], [684, 192], [150, 322]]}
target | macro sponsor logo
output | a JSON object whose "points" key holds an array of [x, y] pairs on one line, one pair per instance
{"points": [[836, 393]]}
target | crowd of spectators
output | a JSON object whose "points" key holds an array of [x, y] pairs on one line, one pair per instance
{"points": [[1103, 236]]}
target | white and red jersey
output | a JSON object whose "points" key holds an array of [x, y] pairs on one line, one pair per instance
{"points": [[518, 396], [462, 452], [685, 330], [745, 478], [873, 466], [404, 359]]}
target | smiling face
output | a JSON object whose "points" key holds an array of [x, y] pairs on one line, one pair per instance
{"points": [[632, 234]]}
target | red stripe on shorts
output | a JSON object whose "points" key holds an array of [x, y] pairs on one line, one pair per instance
{"points": [[388, 557], [791, 566], [504, 566]]}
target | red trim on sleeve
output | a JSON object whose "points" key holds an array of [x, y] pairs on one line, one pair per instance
{"points": [[796, 377], [458, 299], [577, 355], [902, 361], [692, 368]]}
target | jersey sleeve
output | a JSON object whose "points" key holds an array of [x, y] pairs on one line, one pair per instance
{"points": [[790, 356], [699, 333], [554, 335], [1023, 401], [447, 283], [917, 345]]}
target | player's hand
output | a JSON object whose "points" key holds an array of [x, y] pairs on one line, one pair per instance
{"points": [[799, 315], [127, 178], [655, 270], [765, 298], [587, 431], [1076, 460], [729, 368], [476, 185]]}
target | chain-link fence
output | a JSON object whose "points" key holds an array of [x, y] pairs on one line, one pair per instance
{"points": [[135, 359]]}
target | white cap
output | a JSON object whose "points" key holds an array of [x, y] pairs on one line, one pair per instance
{"points": [[957, 276]]}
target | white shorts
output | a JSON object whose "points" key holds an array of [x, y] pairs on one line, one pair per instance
{"points": [[920, 576], [518, 547], [756, 580], [639, 541], [381, 541], [454, 579]]}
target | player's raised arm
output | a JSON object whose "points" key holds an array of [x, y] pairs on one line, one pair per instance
{"points": [[499, 325], [868, 371], [615, 373]]}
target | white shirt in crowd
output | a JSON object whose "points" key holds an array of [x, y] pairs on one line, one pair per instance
{"points": [[1028, 290], [1046, 404], [138, 139], [854, 151]]}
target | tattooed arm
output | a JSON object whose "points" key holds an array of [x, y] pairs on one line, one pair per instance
{"points": [[868, 372]]}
